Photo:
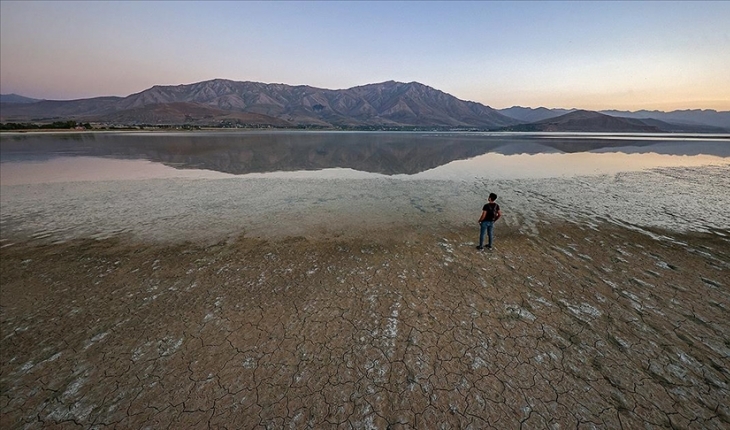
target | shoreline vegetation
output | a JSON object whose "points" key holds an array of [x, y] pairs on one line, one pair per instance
{"points": [[405, 326], [70, 126], [74, 126], [56, 125]]}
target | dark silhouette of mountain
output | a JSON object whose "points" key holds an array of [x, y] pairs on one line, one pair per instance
{"points": [[709, 117], [390, 104], [46, 110], [680, 121], [586, 121], [15, 98], [528, 115], [675, 127]]}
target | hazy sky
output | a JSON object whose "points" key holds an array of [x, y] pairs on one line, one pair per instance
{"points": [[591, 55]]}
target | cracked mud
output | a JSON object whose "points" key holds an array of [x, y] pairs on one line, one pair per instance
{"points": [[576, 326]]}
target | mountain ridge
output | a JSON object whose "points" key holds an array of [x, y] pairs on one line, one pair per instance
{"points": [[584, 120], [702, 118], [16, 98], [389, 104], [386, 104]]}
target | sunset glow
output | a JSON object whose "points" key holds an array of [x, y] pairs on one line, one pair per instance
{"points": [[588, 55]]}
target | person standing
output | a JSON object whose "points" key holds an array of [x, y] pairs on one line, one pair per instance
{"points": [[490, 214]]}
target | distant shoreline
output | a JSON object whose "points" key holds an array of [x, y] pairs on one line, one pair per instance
{"points": [[323, 131]]}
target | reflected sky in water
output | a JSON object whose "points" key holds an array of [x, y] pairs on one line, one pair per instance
{"points": [[49, 158], [172, 186]]}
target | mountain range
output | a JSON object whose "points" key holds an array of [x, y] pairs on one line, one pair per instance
{"points": [[386, 105]]}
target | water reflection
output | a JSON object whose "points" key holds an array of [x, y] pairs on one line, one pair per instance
{"points": [[382, 153]]}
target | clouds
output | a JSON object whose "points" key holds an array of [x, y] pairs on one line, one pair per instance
{"points": [[575, 54]]}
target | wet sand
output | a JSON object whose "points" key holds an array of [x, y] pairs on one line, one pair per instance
{"points": [[571, 324]]}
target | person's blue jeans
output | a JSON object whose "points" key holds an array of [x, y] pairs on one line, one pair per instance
{"points": [[486, 227]]}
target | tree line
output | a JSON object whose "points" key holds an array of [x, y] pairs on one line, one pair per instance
{"points": [[56, 125]]}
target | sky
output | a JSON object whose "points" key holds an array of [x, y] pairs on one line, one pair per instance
{"points": [[581, 54]]}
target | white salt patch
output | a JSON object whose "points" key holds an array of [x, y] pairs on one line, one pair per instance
{"points": [[622, 342], [582, 309], [80, 411], [99, 337], [150, 299], [610, 284], [544, 301], [642, 283], [369, 422], [249, 363], [631, 296], [95, 339], [392, 326], [637, 306], [539, 358], [588, 309], [74, 388], [677, 371], [54, 357], [478, 363], [718, 348], [137, 353], [663, 265], [521, 312], [170, 345]]}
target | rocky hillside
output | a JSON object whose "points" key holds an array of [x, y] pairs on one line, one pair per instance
{"points": [[188, 113], [15, 98], [587, 121], [678, 121], [390, 104], [690, 117], [393, 104]]}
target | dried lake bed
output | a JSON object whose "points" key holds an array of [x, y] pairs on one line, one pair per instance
{"points": [[182, 297]]}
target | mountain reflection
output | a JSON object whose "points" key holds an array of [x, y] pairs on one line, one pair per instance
{"points": [[383, 153]]}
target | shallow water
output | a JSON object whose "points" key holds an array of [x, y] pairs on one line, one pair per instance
{"points": [[42, 158], [169, 186]]}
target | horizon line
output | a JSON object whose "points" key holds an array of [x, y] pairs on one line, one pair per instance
{"points": [[367, 84]]}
